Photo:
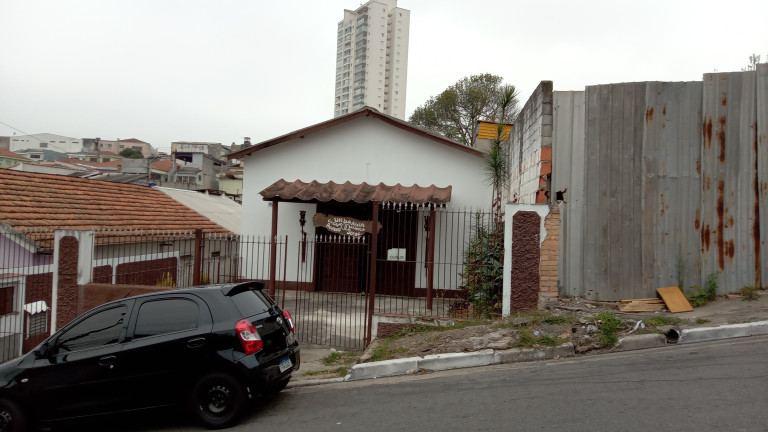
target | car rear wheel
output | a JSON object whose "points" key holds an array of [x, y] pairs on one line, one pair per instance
{"points": [[218, 400], [12, 417]]}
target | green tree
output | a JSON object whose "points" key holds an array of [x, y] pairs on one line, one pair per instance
{"points": [[132, 154], [454, 112], [496, 161]]}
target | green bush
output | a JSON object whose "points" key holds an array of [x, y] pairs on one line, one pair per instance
{"points": [[483, 273]]}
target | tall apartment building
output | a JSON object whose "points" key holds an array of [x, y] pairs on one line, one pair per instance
{"points": [[372, 59]]}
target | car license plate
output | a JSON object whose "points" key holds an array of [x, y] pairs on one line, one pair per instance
{"points": [[285, 365]]}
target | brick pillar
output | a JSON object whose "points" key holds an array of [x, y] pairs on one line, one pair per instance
{"points": [[549, 258], [525, 261], [67, 294]]}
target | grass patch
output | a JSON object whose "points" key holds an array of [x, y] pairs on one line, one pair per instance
{"points": [[535, 319], [702, 321], [662, 321], [341, 358], [528, 339], [385, 351], [608, 327]]}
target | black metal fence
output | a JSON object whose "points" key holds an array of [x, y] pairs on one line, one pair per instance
{"points": [[428, 262]]}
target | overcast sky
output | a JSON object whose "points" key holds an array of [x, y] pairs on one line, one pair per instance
{"points": [[217, 71]]}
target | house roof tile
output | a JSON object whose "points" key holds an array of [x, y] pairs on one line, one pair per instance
{"points": [[33, 200], [315, 191], [8, 153]]}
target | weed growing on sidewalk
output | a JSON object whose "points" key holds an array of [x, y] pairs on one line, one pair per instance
{"points": [[749, 293], [608, 326], [701, 296]]}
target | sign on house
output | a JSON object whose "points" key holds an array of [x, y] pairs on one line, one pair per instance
{"points": [[343, 225]]}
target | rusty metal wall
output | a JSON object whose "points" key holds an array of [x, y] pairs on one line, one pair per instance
{"points": [[762, 164], [671, 185], [730, 210]]}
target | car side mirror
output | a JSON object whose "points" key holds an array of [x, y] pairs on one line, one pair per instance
{"points": [[45, 350], [42, 351]]}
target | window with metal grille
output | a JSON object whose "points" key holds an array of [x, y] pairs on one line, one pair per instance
{"points": [[37, 323]]}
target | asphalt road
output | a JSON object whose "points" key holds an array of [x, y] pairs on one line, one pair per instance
{"points": [[700, 387]]}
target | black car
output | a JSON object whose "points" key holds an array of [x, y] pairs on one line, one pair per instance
{"points": [[209, 347]]}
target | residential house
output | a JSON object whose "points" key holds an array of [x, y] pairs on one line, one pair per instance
{"points": [[199, 170], [9, 158], [37, 154], [116, 147], [36, 206], [344, 170], [46, 141]]}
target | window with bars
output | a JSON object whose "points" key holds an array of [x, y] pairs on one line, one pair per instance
{"points": [[37, 324]]}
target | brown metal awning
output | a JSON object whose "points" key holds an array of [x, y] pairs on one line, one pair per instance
{"points": [[298, 191]]}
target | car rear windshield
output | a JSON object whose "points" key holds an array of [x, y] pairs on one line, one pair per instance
{"points": [[252, 303]]}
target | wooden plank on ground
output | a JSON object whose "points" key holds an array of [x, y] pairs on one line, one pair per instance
{"points": [[643, 300], [641, 307], [674, 299]]}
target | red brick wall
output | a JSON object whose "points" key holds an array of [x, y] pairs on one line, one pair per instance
{"points": [[145, 272], [549, 258], [525, 260], [68, 289]]}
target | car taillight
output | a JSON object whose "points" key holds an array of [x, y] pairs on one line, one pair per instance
{"points": [[249, 337], [289, 318]]}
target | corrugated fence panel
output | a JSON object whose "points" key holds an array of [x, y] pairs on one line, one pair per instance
{"points": [[729, 163], [762, 167], [612, 232], [568, 180], [671, 193]]}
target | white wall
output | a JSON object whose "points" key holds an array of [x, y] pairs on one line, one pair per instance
{"points": [[47, 141], [362, 150]]}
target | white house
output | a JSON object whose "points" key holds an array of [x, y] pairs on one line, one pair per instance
{"points": [[58, 143], [337, 169]]}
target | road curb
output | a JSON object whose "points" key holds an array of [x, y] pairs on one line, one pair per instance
{"points": [[516, 355], [644, 341], [448, 361], [704, 334], [313, 382], [441, 362], [382, 369]]}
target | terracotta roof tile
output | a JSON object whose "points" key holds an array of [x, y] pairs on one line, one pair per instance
{"points": [[8, 153], [163, 165], [32, 200], [362, 193]]}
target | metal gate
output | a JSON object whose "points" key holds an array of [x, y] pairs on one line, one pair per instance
{"points": [[332, 300]]}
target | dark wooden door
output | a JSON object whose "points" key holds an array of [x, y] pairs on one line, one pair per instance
{"points": [[398, 233], [342, 261]]}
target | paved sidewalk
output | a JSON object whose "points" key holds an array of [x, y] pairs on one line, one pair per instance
{"points": [[722, 319]]}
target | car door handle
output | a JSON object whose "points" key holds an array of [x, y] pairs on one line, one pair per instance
{"points": [[196, 342], [108, 361]]}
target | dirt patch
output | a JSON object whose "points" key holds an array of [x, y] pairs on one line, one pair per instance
{"points": [[571, 320]]}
